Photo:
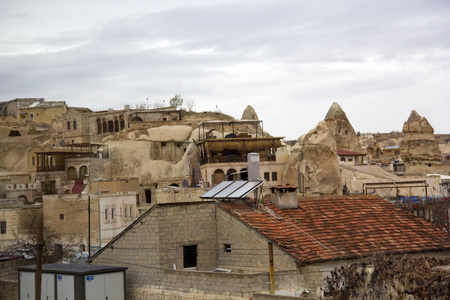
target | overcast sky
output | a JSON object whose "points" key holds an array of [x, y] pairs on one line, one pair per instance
{"points": [[290, 60]]}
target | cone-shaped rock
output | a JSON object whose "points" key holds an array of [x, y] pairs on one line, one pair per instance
{"points": [[341, 129], [317, 160], [249, 114], [419, 148]]}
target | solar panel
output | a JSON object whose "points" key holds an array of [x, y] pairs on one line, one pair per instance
{"points": [[230, 189], [209, 194], [244, 190]]}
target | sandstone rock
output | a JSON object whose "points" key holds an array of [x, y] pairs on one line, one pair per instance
{"points": [[249, 114], [341, 129], [419, 143], [316, 158]]}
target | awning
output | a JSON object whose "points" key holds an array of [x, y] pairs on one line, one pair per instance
{"points": [[79, 186]]}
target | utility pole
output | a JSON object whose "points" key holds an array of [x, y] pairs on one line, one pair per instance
{"points": [[272, 275], [40, 248], [89, 227]]}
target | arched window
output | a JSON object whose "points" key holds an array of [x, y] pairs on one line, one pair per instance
{"points": [[105, 125], [116, 124], [72, 173], [218, 176], [342, 158], [244, 174], [112, 213], [83, 171], [122, 122], [99, 126], [110, 126], [232, 175]]}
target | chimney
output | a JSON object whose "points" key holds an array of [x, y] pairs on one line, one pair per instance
{"points": [[253, 166], [284, 196]]}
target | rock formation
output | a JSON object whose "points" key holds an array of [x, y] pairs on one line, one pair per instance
{"points": [[249, 114], [373, 149], [340, 129], [419, 148], [317, 160]]}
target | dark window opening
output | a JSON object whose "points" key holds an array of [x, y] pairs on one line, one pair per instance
{"points": [[274, 176], [14, 133], [3, 227], [148, 196], [31, 116], [110, 126], [74, 125], [33, 160], [163, 144], [266, 176], [227, 248], [68, 125], [190, 256], [61, 216]]}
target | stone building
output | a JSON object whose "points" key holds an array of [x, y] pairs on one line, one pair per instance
{"points": [[73, 126], [223, 156], [43, 111], [11, 108], [57, 170], [350, 158], [67, 214], [221, 249]]}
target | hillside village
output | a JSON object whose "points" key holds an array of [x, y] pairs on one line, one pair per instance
{"points": [[196, 205]]}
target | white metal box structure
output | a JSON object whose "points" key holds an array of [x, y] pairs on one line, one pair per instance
{"points": [[74, 282]]}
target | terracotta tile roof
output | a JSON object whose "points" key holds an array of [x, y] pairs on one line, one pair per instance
{"points": [[324, 229], [341, 152]]}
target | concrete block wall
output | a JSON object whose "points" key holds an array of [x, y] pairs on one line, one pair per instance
{"points": [[249, 250]]}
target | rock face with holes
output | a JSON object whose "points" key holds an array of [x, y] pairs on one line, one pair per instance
{"points": [[419, 148], [316, 159], [340, 129]]}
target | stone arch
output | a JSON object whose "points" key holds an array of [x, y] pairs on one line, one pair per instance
{"points": [[84, 171], [230, 176], [218, 176], [23, 198], [72, 173], [99, 126], [110, 125], [244, 174]]}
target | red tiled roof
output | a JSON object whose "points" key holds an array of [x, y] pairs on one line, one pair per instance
{"points": [[341, 227], [348, 153]]}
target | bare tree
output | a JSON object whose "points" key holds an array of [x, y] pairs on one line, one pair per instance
{"points": [[190, 104], [54, 246]]}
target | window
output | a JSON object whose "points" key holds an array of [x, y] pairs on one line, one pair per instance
{"points": [[74, 125], [131, 212], [226, 248], [112, 213], [266, 176], [33, 160], [3, 227], [190, 256], [148, 196], [106, 214], [163, 144], [397, 152], [31, 116], [274, 176], [126, 212], [61, 216], [68, 125]]}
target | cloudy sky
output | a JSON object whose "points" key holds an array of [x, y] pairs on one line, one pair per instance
{"points": [[290, 60]]}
